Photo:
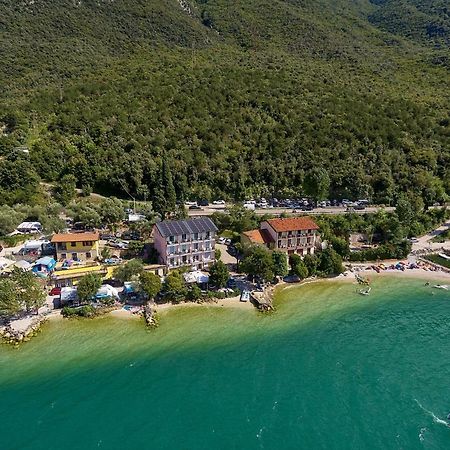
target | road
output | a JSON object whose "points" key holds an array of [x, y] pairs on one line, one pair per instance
{"points": [[209, 210]]}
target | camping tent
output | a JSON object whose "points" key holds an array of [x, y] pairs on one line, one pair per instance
{"points": [[196, 277]]}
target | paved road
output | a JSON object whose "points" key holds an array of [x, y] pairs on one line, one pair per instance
{"points": [[207, 211]]}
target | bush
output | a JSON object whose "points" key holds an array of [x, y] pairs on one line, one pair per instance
{"points": [[385, 251], [12, 241], [83, 311]]}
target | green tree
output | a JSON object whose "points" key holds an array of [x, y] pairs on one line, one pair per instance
{"points": [[128, 271], [317, 184], [280, 264], [258, 263], [88, 286], [330, 263], [135, 249], [29, 291], [300, 270], [341, 246], [194, 293], [9, 219], [111, 211], [218, 274], [65, 190], [311, 263], [174, 287], [150, 283], [164, 200], [9, 301]]}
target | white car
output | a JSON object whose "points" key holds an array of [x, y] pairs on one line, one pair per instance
{"points": [[218, 202], [190, 203]]}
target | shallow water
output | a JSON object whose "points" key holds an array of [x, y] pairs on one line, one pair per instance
{"points": [[330, 369]]}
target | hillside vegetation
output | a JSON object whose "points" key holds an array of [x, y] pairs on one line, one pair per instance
{"points": [[241, 98]]}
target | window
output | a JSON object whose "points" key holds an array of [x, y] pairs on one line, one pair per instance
{"points": [[279, 244], [196, 247], [63, 256], [183, 237], [73, 244], [171, 238], [74, 256], [62, 246], [88, 255], [208, 235], [195, 236]]}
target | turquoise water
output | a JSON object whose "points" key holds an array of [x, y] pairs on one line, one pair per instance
{"points": [[330, 369]]}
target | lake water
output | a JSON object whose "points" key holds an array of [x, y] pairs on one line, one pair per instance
{"points": [[329, 369]]}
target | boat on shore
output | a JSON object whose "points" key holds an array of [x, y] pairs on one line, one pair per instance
{"points": [[441, 286]]}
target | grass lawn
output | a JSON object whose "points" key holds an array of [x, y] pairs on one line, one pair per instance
{"points": [[439, 260]]}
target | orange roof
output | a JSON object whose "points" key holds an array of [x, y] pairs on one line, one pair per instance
{"points": [[75, 237], [293, 224], [258, 236]]}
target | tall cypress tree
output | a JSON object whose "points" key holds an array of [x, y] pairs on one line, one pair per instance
{"points": [[169, 189], [164, 197]]}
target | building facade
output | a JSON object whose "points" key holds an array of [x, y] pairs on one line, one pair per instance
{"points": [[76, 246], [291, 235], [182, 243]]}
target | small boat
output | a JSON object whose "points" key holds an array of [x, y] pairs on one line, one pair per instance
{"points": [[365, 291], [245, 296], [441, 286]]}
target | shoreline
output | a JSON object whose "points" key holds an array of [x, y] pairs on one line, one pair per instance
{"points": [[234, 302]]}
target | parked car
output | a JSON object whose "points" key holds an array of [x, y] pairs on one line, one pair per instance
{"points": [[221, 240], [195, 207], [190, 203], [131, 236], [219, 202], [359, 207], [203, 202], [55, 291], [113, 260], [118, 244], [106, 236]]}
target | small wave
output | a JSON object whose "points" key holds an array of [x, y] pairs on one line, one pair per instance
{"points": [[436, 419]]}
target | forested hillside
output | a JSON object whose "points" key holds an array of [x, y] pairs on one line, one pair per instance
{"points": [[240, 98]]}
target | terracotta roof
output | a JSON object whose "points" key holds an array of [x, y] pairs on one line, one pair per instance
{"points": [[75, 237], [259, 236], [293, 224]]}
